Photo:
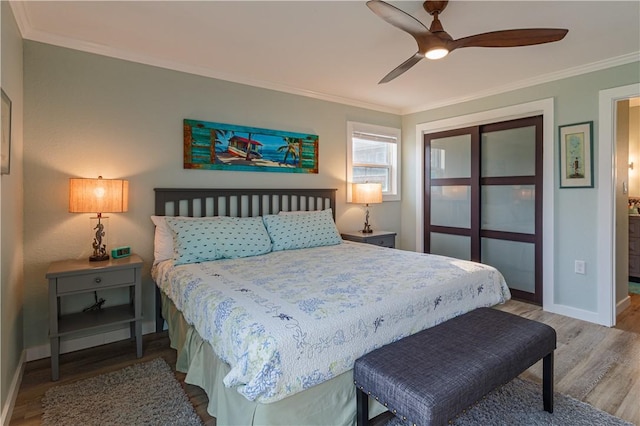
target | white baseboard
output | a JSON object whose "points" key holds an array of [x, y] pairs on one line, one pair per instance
{"points": [[7, 410], [576, 313], [623, 304], [71, 345]]}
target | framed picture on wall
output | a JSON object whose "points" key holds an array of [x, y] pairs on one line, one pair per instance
{"points": [[576, 154], [5, 146], [219, 146]]}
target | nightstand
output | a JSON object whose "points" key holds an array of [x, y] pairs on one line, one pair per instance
{"points": [[68, 277], [377, 238]]}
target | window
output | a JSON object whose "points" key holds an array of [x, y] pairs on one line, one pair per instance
{"points": [[373, 156]]}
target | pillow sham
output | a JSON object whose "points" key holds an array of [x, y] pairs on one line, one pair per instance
{"points": [[163, 237], [204, 239], [296, 231]]}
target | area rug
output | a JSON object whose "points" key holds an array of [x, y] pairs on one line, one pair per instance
{"points": [[520, 403], [634, 287], [142, 394]]}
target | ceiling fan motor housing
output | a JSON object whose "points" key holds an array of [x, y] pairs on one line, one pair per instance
{"points": [[434, 6]]}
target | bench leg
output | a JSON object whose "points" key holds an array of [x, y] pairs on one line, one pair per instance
{"points": [[362, 413], [547, 382]]}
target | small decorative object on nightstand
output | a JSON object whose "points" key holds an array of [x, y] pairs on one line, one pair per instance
{"points": [[70, 277], [377, 238]]}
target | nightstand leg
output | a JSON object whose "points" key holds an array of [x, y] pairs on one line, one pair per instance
{"points": [[139, 338], [138, 312], [55, 358]]}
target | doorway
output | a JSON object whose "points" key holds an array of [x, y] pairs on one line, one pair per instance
{"points": [[610, 187], [627, 247]]}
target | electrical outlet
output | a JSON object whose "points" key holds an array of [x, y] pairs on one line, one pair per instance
{"points": [[580, 267]]}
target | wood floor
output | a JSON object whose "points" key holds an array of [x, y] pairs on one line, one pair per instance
{"points": [[595, 364], [629, 320]]}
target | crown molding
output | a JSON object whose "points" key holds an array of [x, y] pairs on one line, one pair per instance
{"points": [[545, 78], [21, 16], [99, 49]]}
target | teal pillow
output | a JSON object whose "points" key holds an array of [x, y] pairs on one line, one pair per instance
{"points": [[241, 237], [193, 240], [201, 240], [304, 230]]}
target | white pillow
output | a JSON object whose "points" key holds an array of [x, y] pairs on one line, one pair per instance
{"points": [[162, 240], [203, 239], [295, 231]]}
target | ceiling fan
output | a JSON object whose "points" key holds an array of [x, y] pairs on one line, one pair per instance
{"points": [[435, 43]]}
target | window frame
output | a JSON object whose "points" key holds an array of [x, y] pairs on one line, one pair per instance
{"points": [[394, 166]]}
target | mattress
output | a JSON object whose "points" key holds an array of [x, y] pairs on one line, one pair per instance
{"points": [[288, 321]]}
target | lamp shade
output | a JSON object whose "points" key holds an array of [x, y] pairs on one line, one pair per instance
{"points": [[98, 195], [366, 193]]}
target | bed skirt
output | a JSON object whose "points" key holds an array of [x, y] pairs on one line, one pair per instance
{"points": [[332, 402]]}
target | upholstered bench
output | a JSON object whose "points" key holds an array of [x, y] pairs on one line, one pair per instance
{"points": [[430, 377]]}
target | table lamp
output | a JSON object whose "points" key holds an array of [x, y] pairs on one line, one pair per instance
{"points": [[98, 196], [367, 193]]}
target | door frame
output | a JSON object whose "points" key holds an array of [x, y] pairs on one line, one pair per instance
{"points": [[607, 180], [544, 107]]}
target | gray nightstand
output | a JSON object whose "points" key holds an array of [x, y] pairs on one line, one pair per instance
{"points": [[70, 277], [377, 238]]}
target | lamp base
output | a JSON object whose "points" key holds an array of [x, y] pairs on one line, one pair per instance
{"points": [[99, 245], [98, 258], [367, 228]]}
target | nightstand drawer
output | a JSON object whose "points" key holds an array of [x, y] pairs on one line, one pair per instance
{"points": [[383, 241], [95, 281]]}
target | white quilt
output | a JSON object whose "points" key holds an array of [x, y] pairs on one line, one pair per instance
{"points": [[288, 320]]}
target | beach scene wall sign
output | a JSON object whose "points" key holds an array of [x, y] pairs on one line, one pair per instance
{"points": [[219, 146]]}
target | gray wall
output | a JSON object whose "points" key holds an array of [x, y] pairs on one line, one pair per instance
{"points": [[88, 115], [575, 210], [11, 215]]}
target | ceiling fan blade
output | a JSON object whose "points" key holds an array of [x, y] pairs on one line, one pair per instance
{"points": [[398, 18], [511, 38], [402, 68]]}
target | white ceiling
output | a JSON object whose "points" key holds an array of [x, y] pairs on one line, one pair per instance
{"points": [[339, 50]]}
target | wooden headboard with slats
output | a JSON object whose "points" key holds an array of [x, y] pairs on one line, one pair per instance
{"points": [[240, 202]]}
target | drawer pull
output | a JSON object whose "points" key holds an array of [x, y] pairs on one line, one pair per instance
{"points": [[98, 280]]}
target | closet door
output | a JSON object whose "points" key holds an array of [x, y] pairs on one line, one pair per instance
{"points": [[511, 204], [483, 199], [451, 198]]}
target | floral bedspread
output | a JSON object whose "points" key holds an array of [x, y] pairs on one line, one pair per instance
{"points": [[288, 320]]}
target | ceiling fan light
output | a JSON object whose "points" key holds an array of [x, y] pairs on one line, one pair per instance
{"points": [[436, 53]]}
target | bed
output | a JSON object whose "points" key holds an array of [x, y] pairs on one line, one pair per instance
{"points": [[270, 321]]}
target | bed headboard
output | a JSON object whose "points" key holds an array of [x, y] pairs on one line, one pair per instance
{"points": [[203, 202], [240, 202]]}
